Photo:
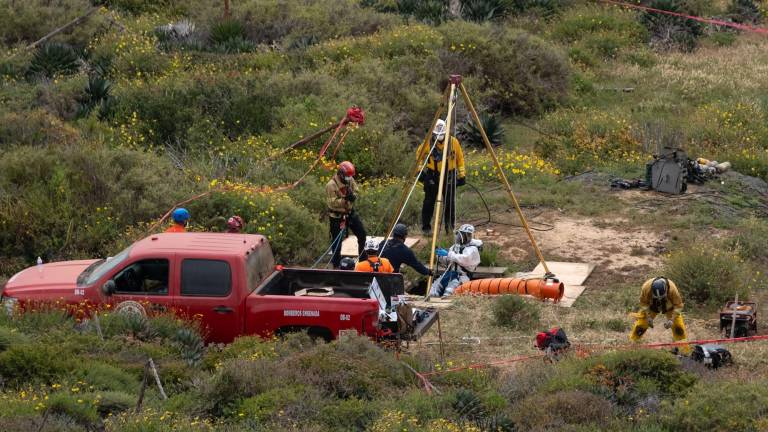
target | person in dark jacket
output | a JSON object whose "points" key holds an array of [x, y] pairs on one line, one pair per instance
{"points": [[398, 253]]}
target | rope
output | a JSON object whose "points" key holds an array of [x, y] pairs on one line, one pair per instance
{"points": [[408, 197], [331, 248]]}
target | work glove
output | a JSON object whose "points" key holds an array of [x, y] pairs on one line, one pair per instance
{"points": [[351, 197], [650, 322], [441, 252], [461, 181], [668, 324]]}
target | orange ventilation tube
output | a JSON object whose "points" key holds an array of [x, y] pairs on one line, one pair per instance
{"points": [[539, 288]]}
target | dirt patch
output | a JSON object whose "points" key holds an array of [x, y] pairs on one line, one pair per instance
{"points": [[611, 244]]}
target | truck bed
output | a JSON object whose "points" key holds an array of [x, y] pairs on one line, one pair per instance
{"points": [[352, 284]]}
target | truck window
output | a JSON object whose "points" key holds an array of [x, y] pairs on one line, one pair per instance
{"points": [[259, 264], [208, 278], [149, 276], [102, 267]]}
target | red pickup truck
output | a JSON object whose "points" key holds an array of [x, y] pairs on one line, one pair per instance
{"points": [[229, 281]]}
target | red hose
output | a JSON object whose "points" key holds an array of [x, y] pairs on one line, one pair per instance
{"points": [[539, 288]]}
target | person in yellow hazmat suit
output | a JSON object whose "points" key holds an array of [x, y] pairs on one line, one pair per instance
{"points": [[660, 295], [430, 176]]}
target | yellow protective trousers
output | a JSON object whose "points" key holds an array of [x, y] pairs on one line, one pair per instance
{"points": [[678, 328]]}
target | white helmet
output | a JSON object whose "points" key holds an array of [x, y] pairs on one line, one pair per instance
{"points": [[464, 234], [371, 245], [439, 129]]}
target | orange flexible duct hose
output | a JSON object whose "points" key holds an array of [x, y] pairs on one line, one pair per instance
{"points": [[539, 288]]}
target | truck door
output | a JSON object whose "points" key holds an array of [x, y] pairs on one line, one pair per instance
{"points": [[209, 292], [145, 284]]}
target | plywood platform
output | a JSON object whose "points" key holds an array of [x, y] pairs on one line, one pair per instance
{"points": [[573, 275], [349, 246], [568, 273]]}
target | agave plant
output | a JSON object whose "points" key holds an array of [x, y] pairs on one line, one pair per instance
{"points": [[468, 404], [97, 92], [484, 10], [470, 133], [226, 31], [52, 59], [191, 346]]}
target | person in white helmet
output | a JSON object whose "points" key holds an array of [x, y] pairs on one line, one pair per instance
{"points": [[430, 177], [460, 261], [372, 262]]}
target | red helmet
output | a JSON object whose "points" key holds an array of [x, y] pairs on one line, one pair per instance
{"points": [[235, 223], [346, 169]]}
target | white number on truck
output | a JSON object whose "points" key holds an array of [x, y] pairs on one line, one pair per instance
{"points": [[345, 317], [79, 291]]}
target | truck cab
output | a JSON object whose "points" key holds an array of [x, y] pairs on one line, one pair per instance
{"points": [[229, 282]]}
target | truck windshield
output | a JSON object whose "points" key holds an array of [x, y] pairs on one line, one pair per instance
{"points": [[260, 264], [95, 271]]}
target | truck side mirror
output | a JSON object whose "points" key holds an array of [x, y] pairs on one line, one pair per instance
{"points": [[108, 288]]}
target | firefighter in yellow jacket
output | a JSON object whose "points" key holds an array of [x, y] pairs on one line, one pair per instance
{"points": [[430, 177], [660, 296]]}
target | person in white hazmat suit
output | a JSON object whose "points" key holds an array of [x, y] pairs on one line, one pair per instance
{"points": [[460, 261]]}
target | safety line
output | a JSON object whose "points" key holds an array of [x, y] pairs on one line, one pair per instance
{"points": [[597, 347], [744, 27], [408, 197]]}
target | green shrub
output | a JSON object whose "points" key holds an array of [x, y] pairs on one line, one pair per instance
{"points": [[521, 74], [53, 59], [33, 363], [626, 378], [266, 405], [719, 405], [560, 409], [349, 414], [708, 275], [671, 32], [89, 189], [27, 21], [35, 128], [10, 337], [103, 376], [745, 11], [114, 402], [514, 312], [76, 407], [749, 239]]}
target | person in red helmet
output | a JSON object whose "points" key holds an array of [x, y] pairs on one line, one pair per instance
{"points": [[341, 194], [235, 225]]}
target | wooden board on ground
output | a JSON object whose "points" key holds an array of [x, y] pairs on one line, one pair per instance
{"points": [[568, 273], [349, 246], [488, 272], [435, 302], [572, 292]]}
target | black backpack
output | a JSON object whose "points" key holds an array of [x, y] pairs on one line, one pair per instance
{"points": [[554, 339]]}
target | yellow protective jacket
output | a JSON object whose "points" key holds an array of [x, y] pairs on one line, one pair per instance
{"points": [[673, 304], [336, 196], [456, 162]]}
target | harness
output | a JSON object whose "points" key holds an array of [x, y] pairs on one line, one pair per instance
{"points": [[374, 265]]}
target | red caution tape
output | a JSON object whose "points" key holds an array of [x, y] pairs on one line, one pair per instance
{"points": [[517, 359], [743, 27]]}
